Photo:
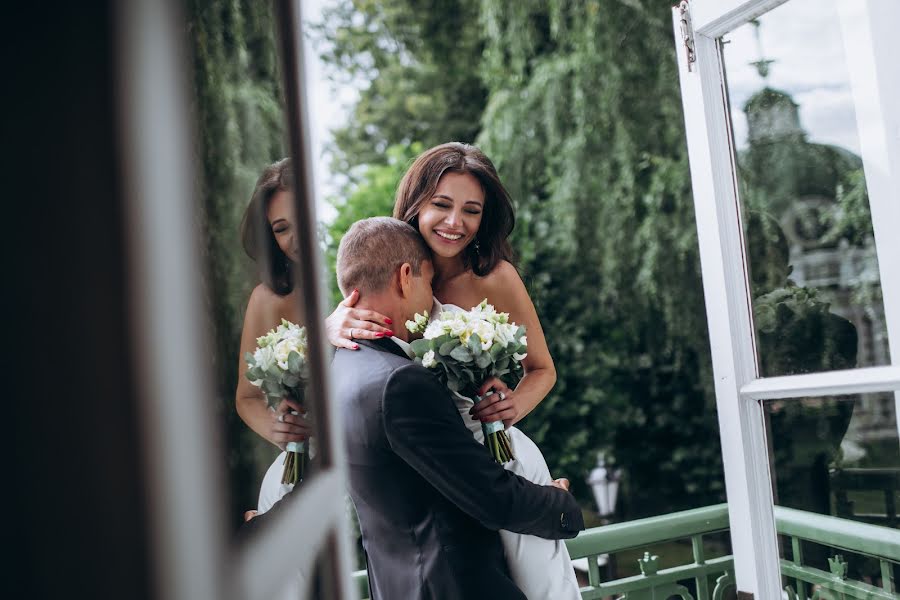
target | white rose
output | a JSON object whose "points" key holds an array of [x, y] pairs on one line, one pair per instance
{"points": [[505, 334], [457, 327], [519, 357], [428, 360], [485, 331], [435, 329], [264, 358], [484, 311], [282, 350]]}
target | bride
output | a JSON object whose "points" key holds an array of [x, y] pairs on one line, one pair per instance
{"points": [[455, 199]]}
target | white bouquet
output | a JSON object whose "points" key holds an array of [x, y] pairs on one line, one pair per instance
{"points": [[278, 367], [467, 347]]}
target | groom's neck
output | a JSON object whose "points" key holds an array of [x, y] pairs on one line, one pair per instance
{"points": [[392, 309]]}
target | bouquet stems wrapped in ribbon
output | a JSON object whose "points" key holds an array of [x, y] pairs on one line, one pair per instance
{"points": [[465, 348], [278, 367]]}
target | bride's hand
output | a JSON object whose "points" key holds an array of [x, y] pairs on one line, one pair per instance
{"points": [[288, 424], [347, 323], [500, 405], [562, 483]]}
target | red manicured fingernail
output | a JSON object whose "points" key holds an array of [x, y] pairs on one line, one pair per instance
{"points": [[388, 333], [355, 291], [388, 322], [356, 346], [379, 334]]}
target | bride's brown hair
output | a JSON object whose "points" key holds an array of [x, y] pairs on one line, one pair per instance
{"points": [[421, 180], [259, 242]]}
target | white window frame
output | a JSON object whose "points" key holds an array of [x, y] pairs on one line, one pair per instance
{"points": [[740, 391], [184, 459]]}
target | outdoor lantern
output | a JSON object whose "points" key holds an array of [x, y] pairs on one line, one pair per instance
{"points": [[605, 483]]}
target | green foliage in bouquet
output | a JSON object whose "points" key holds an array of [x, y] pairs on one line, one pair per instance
{"points": [[278, 368]]}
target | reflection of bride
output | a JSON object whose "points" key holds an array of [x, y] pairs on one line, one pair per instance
{"points": [[268, 234]]}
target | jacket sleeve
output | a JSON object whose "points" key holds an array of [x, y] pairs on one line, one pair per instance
{"points": [[424, 428]]}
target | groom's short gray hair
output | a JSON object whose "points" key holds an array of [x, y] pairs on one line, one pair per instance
{"points": [[373, 249]]}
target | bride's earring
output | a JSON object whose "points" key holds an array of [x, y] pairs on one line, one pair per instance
{"points": [[477, 247]]}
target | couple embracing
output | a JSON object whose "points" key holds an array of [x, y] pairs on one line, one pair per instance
{"points": [[439, 517]]}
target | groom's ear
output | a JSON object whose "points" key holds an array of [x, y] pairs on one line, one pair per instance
{"points": [[404, 280]]}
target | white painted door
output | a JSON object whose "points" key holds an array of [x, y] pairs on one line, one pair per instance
{"points": [[794, 144]]}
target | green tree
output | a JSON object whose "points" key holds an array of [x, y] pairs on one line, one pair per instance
{"points": [[416, 61], [581, 114], [584, 124], [371, 195]]}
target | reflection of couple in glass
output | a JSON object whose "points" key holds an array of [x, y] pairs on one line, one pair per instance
{"points": [[429, 496]]}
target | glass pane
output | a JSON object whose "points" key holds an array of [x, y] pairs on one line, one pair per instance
{"points": [[812, 259], [250, 249], [836, 456]]}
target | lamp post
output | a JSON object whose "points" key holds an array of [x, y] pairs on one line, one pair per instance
{"points": [[604, 482]]}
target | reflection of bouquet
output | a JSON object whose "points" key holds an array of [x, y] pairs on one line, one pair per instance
{"points": [[797, 333], [465, 348], [278, 368]]}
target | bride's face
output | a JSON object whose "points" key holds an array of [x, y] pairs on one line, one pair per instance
{"points": [[284, 226], [451, 218]]}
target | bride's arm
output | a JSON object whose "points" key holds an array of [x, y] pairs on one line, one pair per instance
{"points": [[346, 324], [249, 400], [508, 294]]}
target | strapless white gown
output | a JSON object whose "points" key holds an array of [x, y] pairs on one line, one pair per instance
{"points": [[541, 568], [270, 492]]}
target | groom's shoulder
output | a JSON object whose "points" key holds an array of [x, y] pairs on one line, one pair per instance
{"points": [[413, 374], [366, 364], [412, 381]]}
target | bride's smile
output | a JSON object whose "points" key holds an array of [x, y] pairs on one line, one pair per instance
{"points": [[450, 220]]}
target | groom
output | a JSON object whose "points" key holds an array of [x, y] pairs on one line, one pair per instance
{"points": [[430, 498]]}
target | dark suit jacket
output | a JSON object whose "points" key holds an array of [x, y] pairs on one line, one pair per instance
{"points": [[430, 498]]}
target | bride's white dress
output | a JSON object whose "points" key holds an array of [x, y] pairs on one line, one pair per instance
{"points": [[541, 568]]}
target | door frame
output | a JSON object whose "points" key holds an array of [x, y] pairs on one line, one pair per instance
{"points": [[183, 453], [698, 26]]}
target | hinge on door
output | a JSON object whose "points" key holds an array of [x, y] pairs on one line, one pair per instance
{"points": [[687, 34]]}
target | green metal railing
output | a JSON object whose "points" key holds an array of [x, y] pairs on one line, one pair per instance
{"points": [[654, 582], [879, 543], [712, 577]]}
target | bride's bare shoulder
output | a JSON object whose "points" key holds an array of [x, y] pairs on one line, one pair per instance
{"points": [[267, 306], [502, 275], [504, 284], [262, 296]]}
